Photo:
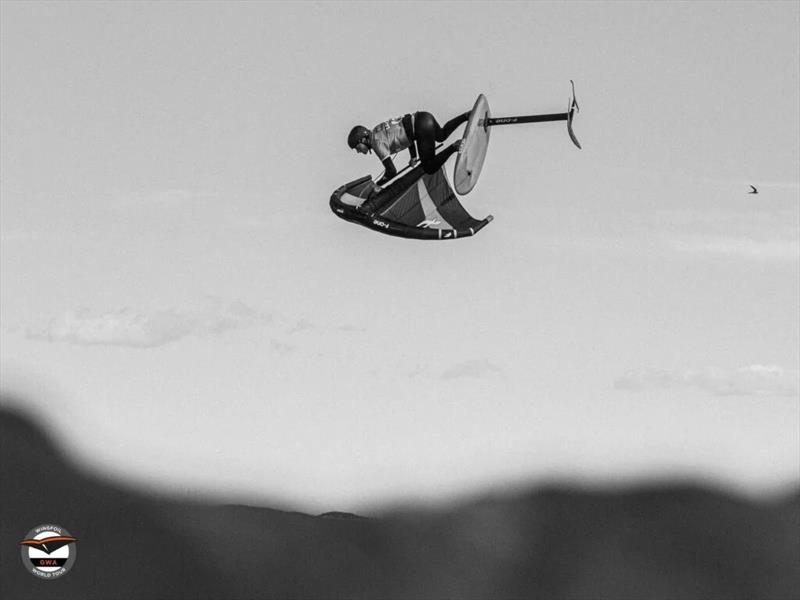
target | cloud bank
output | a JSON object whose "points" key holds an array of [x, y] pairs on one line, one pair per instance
{"points": [[478, 368], [753, 380], [741, 248], [136, 329]]}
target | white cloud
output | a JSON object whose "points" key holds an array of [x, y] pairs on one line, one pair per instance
{"points": [[753, 380], [139, 328], [177, 198], [743, 248], [131, 328], [471, 368], [302, 325]]}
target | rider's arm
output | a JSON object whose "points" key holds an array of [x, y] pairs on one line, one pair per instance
{"points": [[390, 171]]}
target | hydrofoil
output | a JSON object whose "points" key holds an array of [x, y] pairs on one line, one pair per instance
{"points": [[475, 141]]}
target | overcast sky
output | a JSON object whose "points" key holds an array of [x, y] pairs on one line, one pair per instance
{"points": [[179, 302]]}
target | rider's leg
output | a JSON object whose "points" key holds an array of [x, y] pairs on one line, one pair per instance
{"points": [[428, 132]]}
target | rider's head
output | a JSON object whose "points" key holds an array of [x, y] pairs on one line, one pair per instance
{"points": [[358, 139]]}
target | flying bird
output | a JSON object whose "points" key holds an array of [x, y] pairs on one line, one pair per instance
{"points": [[49, 544], [753, 190]]}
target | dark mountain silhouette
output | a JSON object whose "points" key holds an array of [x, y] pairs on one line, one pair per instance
{"points": [[339, 515], [657, 541]]}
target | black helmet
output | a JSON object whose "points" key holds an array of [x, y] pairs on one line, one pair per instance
{"points": [[357, 136]]}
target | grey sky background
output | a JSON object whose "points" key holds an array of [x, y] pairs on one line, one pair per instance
{"points": [[179, 302]]}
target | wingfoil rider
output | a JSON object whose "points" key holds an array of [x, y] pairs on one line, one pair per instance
{"points": [[414, 132]]}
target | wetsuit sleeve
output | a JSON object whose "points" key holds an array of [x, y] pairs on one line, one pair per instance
{"points": [[391, 171]]}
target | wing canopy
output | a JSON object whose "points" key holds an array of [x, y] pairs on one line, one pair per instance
{"points": [[415, 205]]}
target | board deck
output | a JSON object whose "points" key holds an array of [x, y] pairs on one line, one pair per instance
{"points": [[474, 144]]}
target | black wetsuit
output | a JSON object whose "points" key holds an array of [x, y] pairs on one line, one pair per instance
{"points": [[423, 133], [427, 132]]}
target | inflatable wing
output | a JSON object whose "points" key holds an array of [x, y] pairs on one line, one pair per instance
{"points": [[415, 205]]}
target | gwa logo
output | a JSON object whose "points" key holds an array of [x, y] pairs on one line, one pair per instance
{"points": [[48, 551]]}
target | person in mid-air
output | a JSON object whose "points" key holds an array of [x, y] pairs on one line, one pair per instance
{"points": [[413, 132]]}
